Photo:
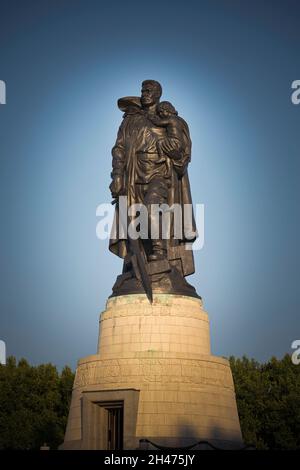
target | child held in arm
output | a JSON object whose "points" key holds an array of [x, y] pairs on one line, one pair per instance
{"points": [[167, 117]]}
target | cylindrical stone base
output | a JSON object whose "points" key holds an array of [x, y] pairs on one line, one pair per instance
{"points": [[172, 323], [154, 361]]}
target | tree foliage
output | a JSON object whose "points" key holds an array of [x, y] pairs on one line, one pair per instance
{"points": [[34, 404], [268, 400]]}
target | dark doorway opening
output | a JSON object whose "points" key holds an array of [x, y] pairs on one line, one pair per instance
{"points": [[115, 424]]}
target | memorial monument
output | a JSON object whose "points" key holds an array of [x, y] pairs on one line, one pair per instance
{"points": [[153, 377]]}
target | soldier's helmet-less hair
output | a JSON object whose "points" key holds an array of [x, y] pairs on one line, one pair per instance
{"points": [[167, 106], [154, 84]]}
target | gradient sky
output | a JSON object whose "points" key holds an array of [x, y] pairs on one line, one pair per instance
{"points": [[227, 66]]}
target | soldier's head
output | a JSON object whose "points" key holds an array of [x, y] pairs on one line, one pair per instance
{"points": [[151, 92], [166, 109]]}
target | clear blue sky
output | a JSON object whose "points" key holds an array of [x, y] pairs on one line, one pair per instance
{"points": [[228, 67]]}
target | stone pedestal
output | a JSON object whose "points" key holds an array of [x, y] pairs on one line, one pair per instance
{"points": [[154, 363]]}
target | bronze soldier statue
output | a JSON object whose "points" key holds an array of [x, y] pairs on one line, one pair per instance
{"points": [[149, 167]]}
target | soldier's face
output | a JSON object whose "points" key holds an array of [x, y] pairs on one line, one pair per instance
{"points": [[149, 96]]}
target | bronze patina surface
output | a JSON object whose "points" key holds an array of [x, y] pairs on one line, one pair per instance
{"points": [[150, 166]]}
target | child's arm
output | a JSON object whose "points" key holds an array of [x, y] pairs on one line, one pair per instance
{"points": [[159, 122]]}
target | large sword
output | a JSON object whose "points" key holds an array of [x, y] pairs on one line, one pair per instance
{"points": [[137, 249]]}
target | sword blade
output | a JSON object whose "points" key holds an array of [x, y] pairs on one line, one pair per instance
{"points": [[142, 265]]}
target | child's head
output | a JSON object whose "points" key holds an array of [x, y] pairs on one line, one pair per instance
{"points": [[165, 109]]}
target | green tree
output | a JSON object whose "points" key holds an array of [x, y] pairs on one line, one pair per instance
{"points": [[33, 404], [268, 400]]}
